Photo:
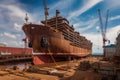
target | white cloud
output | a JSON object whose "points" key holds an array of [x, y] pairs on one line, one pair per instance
{"points": [[11, 39], [112, 4], [12, 16], [1, 34], [97, 28], [18, 35], [112, 33], [17, 27], [9, 35], [83, 26], [61, 4], [15, 43], [3, 42], [114, 18], [89, 26], [9, 2], [11, 42], [97, 38], [88, 5], [16, 11]]}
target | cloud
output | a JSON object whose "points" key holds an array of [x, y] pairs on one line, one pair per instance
{"points": [[114, 18], [1, 35], [112, 33], [96, 38], [15, 11], [88, 5], [83, 26], [15, 43], [9, 35], [18, 35], [61, 4], [11, 40], [11, 20], [90, 24], [4, 43], [17, 27], [112, 4]]}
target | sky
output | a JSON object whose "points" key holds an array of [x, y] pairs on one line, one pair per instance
{"points": [[82, 14]]}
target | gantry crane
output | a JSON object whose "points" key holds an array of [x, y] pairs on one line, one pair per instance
{"points": [[103, 30]]}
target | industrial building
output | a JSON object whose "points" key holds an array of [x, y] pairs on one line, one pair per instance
{"points": [[118, 45], [110, 50]]}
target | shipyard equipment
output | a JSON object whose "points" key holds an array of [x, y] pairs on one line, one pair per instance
{"points": [[103, 29]]}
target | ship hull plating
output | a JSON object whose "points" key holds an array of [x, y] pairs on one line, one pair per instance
{"points": [[49, 41]]}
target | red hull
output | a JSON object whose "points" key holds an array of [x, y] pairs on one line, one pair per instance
{"points": [[41, 58], [62, 42]]}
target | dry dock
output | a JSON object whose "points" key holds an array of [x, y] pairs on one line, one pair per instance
{"points": [[89, 68]]}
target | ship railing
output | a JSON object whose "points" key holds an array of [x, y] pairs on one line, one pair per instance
{"points": [[74, 54], [40, 53]]}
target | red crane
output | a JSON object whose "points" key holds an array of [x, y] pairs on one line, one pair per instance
{"points": [[103, 30]]}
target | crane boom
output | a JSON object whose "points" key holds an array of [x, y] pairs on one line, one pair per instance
{"points": [[106, 21], [103, 28], [101, 24]]}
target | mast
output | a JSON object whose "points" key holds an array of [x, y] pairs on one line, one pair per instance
{"points": [[46, 12], [57, 12], [26, 18]]}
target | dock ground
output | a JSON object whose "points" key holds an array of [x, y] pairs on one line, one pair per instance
{"points": [[90, 68]]}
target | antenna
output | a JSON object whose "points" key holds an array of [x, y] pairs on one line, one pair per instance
{"points": [[46, 12], [26, 18]]}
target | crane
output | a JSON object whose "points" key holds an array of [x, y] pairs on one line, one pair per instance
{"points": [[46, 12], [103, 30]]}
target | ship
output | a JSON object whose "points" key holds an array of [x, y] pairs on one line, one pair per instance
{"points": [[55, 40]]}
